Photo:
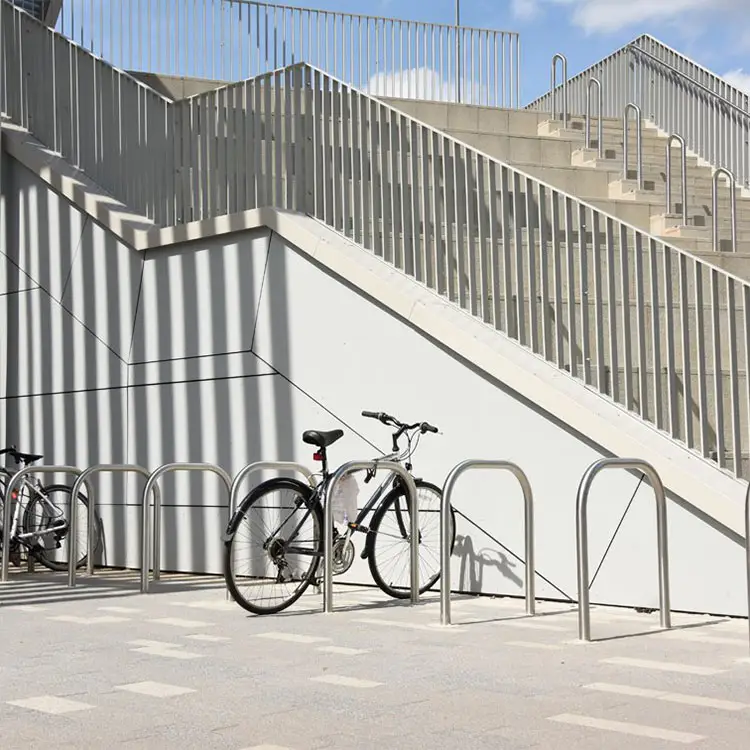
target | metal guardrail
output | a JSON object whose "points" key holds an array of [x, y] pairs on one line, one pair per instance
{"points": [[445, 562], [80, 480], [150, 482], [599, 117], [245, 472], [582, 554], [715, 207], [683, 177], [411, 489], [553, 87], [8, 505], [638, 143]]}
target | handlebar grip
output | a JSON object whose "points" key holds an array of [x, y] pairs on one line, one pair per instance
{"points": [[371, 414], [428, 427]]}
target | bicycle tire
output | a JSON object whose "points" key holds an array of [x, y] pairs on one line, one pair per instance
{"points": [[43, 555], [388, 501], [312, 502]]}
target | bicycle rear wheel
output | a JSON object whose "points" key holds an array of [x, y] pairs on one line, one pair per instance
{"points": [[274, 546], [389, 556]]}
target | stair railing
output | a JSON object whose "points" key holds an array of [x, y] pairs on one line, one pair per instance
{"points": [[683, 177], [638, 143], [599, 114]]}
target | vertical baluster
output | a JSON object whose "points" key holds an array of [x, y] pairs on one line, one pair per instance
{"points": [[700, 346], [544, 272], [519, 205], [571, 285], [507, 263], [732, 348], [583, 269], [626, 312], [598, 305], [671, 374], [640, 308], [717, 362], [686, 364], [557, 273]]}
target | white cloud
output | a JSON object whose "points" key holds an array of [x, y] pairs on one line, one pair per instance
{"points": [[612, 15], [423, 83], [525, 10], [738, 78]]}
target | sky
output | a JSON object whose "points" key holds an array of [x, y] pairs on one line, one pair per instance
{"points": [[150, 35]]}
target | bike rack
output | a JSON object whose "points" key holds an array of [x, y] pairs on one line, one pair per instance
{"points": [[600, 121], [150, 482], [638, 143], [553, 87], [343, 471], [582, 554], [445, 554], [683, 166], [715, 207], [234, 492], [100, 468], [7, 508], [747, 550]]}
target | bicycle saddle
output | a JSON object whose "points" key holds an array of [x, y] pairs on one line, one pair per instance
{"points": [[322, 439], [26, 458]]}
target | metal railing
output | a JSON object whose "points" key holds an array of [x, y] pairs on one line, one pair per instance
{"points": [[150, 483], [8, 506], [411, 492], [677, 95], [72, 532], [747, 551], [231, 40], [599, 117], [582, 538], [638, 143], [715, 208], [564, 279], [564, 88], [683, 176], [445, 535]]}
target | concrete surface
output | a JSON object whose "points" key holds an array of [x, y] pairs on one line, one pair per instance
{"points": [[103, 666]]}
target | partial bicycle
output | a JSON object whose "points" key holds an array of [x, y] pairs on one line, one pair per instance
{"points": [[41, 517], [274, 541]]}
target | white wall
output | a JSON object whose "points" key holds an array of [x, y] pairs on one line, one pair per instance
{"points": [[227, 350]]}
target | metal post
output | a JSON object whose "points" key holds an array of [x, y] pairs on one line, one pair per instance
{"points": [[747, 550], [553, 87], [600, 122], [411, 491], [732, 206], [7, 508], [150, 482], [234, 492], [458, 50], [445, 535], [83, 477], [638, 143], [683, 166], [582, 554]]}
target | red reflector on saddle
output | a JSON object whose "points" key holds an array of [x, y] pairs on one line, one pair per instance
{"points": [[317, 456]]}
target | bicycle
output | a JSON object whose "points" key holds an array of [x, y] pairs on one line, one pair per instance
{"points": [[43, 527], [290, 556]]}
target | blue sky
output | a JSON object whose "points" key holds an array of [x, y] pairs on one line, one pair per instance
{"points": [[715, 33]]}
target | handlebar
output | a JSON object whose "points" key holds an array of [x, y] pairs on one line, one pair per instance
{"points": [[387, 419]]}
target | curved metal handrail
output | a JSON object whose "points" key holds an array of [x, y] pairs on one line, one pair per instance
{"points": [[683, 179], [553, 86], [732, 206], [638, 143], [582, 538], [600, 120]]}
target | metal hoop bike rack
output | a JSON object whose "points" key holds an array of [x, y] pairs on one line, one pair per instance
{"points": [[683, 176], [147, 526], [732, 206], [638, 143], [747, 550], [245, 472], [445, 554], [599, 115], [553, 87], [7, 508], [582, 534], [411, 489], [84, 475]]}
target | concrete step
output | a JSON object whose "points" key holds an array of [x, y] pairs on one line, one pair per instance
{"points": [[576, 130], [656, 159]]}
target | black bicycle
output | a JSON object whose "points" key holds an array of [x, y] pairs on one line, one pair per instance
{"points": [[274, 542]]}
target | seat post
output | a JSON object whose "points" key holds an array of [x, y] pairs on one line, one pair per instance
{"points": [[322, 456]]}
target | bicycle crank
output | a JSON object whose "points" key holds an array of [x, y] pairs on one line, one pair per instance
{"points": [[343, 555]]}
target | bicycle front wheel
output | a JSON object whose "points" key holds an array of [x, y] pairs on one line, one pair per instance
{"points": [[274, 546], [389, 556]]}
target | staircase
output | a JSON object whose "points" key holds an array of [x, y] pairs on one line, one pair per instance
{"points": [[502, 212], [46, 11]]}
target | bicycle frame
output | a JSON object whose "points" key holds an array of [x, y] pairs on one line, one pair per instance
{"points": [[32, 485]]}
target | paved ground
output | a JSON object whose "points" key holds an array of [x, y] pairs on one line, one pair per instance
{"points": [[103, 666]]}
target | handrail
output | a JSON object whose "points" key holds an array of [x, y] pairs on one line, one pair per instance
{"points": [[553, 86], [715, 206], [638, 143], [411, 490], [445, 535], [600, 117], [722, 99], [8, 505], [683, 165], [245, 472], [81, 479], [150, 482], [582, 543]]}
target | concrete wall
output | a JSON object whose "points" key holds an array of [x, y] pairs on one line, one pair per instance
{"points": [[226, 350]]}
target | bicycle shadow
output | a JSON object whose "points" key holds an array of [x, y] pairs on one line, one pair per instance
{"points": [[474, 565]]}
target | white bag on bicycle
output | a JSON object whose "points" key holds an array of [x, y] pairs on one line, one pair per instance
{"points": [[344, 499]]}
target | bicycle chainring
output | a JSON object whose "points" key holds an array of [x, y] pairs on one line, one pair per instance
{"points": [[343, 555]]}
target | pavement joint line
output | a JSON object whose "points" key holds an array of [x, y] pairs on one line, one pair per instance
{"points": [[154, 689], [665, 695], [663, 666], [292, 637], [534, 644], [436, 628], [342, 650], [343, 681], [104, 619], [623, 727], [178, 622], [169, 653]]}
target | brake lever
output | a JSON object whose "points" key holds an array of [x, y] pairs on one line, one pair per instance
{"points": [[369, 475]]}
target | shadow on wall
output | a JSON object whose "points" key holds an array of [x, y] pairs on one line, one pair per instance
{"points": [[475, 563]]}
